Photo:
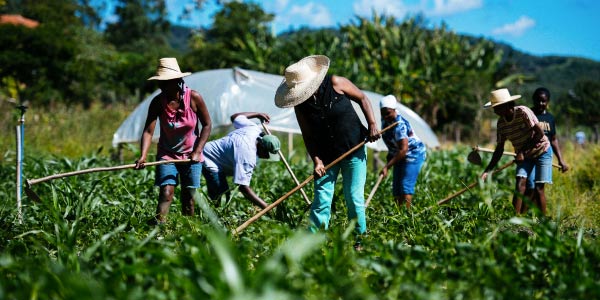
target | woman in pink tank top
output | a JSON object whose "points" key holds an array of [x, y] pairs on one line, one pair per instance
{"points": [[179, 110]]}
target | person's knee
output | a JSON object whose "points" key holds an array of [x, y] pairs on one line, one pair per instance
{"points": [[166, 193], [539, 188], [188, 193], [521, 185]]}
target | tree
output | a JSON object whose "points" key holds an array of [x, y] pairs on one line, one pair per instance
{"points": [[581, 104], [140, 22], [36, 57], [441, 75], [239, 36]]}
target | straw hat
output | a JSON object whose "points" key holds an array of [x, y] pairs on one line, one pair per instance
{"points": [[301, 80], [499, 97], [168, 69], [388, 101]]}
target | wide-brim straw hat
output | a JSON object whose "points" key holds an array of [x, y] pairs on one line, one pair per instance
{"points": [[499, 97], [301, 80], [168, 69]]}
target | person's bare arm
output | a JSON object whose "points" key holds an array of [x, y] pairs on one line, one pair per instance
{"points": [[149, 125], [250, 115], [250, 195], [401, 155], [556, 149], [495, 158], [344, 86]]}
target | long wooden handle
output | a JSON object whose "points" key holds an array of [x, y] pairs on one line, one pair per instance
{"points": [[299, 186], [470, 186], [492, 151], [287, 166], [103, 169], [506, 153], [374, 190]]}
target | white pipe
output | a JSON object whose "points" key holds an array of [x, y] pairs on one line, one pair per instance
{"points": [[19, 173]]}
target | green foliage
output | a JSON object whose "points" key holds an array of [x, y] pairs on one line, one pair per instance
{"points": [[239, 37], [577, 104], [421, 66], [443, 76], [66, 131], [139, 20], [88, 238]]}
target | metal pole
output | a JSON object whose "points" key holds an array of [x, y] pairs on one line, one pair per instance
{"points": [[19, 177], [20, 154]]}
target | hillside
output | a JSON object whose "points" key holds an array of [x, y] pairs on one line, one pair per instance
{"points": [[557, 73]]}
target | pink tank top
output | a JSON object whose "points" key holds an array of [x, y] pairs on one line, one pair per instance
{"points": [[178, 132]]}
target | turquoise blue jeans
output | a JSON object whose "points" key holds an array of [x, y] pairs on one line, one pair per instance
{"points": [[354, 174]]}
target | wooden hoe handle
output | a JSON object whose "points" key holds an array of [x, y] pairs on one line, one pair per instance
{"points": [[299, 186], [102, 169], [470, 186]]}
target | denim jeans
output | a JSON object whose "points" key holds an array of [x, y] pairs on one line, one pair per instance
{"points": [[537, 170], [170, 174], [406, 173], [354, 173], [216, 183]]}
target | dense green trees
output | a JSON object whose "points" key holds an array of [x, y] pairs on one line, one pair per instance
{"points": [[240, 36], [443, 76]]}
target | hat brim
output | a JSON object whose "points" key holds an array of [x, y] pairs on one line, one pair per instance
{"points": [[169, 76], [272, 157], [289, 97], [512, 98]]}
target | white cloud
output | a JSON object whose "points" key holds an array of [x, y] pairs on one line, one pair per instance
{"points": [[399, 9], [394, 8], [449, 7], [517, 28], [281, 4], [311, 14]]}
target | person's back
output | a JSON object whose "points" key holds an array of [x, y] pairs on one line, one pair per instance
{"points": [[234, 152]]}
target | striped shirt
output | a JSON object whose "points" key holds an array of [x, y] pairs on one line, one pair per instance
{"points": [[519, 132]]}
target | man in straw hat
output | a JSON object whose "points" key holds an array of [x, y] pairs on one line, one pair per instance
{"points": [[519, 125], [179, 110], [330, 127], [236, 155]]}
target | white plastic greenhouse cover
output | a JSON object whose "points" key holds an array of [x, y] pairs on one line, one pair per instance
{"points": [[227, 91]]}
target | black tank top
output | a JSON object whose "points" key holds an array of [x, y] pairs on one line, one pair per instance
{"points": [[334, 121]]}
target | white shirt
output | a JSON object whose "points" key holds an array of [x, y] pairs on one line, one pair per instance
{"points": [[234, 154]]}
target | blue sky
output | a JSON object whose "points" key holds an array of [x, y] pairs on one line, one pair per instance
{"points": [[539, 27]]}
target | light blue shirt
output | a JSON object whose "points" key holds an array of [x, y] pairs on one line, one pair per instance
{"points": [[234, 154], [403, 131]]}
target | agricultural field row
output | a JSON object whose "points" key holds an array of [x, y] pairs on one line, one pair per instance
{"points": [[87, 238]]}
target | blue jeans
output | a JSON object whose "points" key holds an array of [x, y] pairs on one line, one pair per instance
{"points": [[216, 183], [170, 174], [406, 173], [536, 170], [354, 175]]}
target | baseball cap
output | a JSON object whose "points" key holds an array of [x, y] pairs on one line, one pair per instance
{"points": [[272, 144]]}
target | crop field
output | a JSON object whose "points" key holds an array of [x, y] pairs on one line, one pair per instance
{"points": [[88, 239]]}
